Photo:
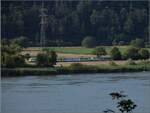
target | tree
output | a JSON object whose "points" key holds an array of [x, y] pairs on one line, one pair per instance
{"points": [[15, 48], [42, 59], [71, 20], [131, 53], [130, 62], [53, 58], [19, 60], [144, 53], [115, 54], [21, 41], [10, 56], [137, 42], [7, 61], [94, 18], [88, 42], [124, 105], [46, 58], [129, 26], [99, 51], [11, 61]]}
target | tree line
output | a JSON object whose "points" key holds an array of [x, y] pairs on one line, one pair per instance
{"points": [[68, 22]]}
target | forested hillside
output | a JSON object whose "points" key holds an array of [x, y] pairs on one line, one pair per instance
{"points": [[69, 22]]}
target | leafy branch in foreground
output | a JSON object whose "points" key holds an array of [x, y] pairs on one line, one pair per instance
{"points": [[124, 105]]}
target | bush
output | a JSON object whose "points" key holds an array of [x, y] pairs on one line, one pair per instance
{"points": [[131, 53], [21, 41], [115, 53], [19, 60], [12, 61], [99, 51], [144, 53], [88, 42], [137, 42], [144, 62], [74, 65], [112, 63], [130, 62], [46, 59], [8, 61], [77, 68], [42, 59], [53, 58]]}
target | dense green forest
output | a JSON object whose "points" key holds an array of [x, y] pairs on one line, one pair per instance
{"points": [[68, 22]]}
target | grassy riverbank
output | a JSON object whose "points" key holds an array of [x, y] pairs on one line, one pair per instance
{"points": [[76, 69]]}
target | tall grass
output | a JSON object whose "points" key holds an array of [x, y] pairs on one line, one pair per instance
{"points": [[77, 68]]}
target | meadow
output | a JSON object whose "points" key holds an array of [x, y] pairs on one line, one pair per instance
{"points": [[82, 50]]}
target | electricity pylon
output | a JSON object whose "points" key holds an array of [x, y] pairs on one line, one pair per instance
{"points": [[43, 23]]}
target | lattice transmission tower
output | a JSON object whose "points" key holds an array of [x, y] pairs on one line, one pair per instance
{"points": [[43, 23]]}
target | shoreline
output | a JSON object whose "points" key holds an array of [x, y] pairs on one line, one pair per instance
{"points": [[81, 69]]}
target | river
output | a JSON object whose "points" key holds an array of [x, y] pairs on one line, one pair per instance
{"points": [[82, 93]]}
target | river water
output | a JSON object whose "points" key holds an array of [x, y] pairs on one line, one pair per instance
{"points": [[83, 93]]}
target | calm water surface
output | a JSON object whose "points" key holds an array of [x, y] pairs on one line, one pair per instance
{"points": [[73, 93]]}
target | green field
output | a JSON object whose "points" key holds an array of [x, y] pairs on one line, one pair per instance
{"points": [[73, 50], [77, 50], [82, 50]]}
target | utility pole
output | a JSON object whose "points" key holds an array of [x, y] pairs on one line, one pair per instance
{"points": [[43, 25]]}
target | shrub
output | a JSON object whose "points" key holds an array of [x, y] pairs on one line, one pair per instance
{"points": [[21, 41], [144, 53], [130, 62], [46, 59], [99, 51], [144, 62], [8, 61], [42, 59], [88, 42], [137, 42], [19, 60], [131, 53], [76, 65], [77, 68], [115, 53], [12, 61], [112, 63], [53, 58]]}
